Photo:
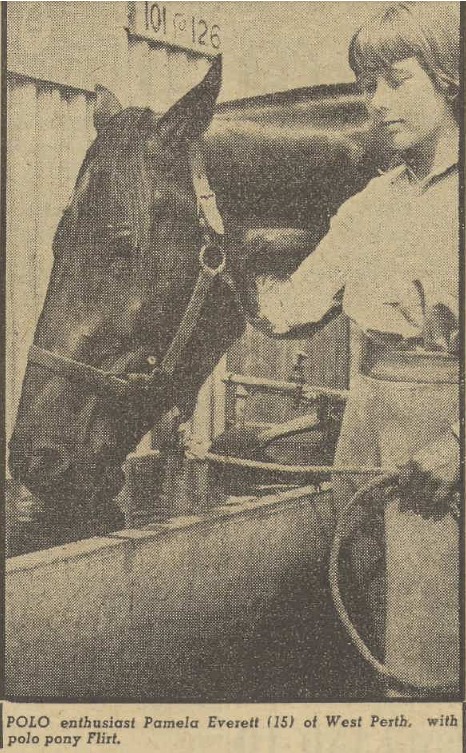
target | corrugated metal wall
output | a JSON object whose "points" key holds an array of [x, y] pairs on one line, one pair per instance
{"points": [[49, 129], [50, 126], [158, 75]]}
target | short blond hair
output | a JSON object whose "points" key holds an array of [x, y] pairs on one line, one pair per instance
{"points": [[428, 31]]}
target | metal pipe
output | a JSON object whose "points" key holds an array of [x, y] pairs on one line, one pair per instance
{"points": [[293, 469], [309, 391]]}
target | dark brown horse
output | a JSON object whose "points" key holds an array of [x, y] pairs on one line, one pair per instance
{"points": [[126, 260]]}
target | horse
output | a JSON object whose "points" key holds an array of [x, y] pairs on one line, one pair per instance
{"points": [[146, 291]]}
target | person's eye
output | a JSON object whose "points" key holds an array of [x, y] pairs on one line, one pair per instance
{"points": [[395, 80], [160, 205]]}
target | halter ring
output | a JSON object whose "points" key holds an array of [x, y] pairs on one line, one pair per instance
{"points": [[206, 267]]}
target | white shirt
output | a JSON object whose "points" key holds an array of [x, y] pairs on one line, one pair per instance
{"points": [[396, 231]]}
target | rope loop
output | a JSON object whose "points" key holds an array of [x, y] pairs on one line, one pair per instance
{"points": [[363, 498]]}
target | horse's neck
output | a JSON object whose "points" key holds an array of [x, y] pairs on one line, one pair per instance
{"points": [[288, 164]]}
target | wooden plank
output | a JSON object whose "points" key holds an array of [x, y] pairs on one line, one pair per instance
{"points": [[197, 68], [177, 25], [74, 141], [64, 149], [219, 398], [48, 186], [21, 230], [200, 66], [179, 72], [202, 416], [160, 86], [77, 123], [140, 84]]}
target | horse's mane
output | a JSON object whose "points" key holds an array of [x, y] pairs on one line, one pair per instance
{"points": [[117, 150]]}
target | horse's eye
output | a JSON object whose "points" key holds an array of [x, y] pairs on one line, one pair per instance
{"points": [[160, 203], [122, 245], [121, 248], [121, 238]]}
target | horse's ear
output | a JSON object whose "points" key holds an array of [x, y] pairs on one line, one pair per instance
{"points": [[105, 107], [190, 117]]}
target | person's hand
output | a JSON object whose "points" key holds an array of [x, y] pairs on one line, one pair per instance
{"points": [[429, 483], [441, 329]]}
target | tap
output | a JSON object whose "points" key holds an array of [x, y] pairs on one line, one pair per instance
{"points": [[298, 376]]}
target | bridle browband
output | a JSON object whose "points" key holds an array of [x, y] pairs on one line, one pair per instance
{"points": [[212, 262]]}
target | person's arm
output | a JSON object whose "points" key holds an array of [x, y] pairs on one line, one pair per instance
{"points": [[301, 303]]}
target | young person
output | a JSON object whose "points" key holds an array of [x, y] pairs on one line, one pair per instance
{"points": [[393, 251]]}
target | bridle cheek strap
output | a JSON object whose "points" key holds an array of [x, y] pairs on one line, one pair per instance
{"points": [[212, 259], [207, 210]]}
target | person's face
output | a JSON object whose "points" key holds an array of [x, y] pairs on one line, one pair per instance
{"points": [[405, 104]]}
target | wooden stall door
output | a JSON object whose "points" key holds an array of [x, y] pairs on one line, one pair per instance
{"points": [[326, 364]]}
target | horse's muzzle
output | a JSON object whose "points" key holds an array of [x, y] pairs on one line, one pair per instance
{"points": [[77, 476], [71, 498]]}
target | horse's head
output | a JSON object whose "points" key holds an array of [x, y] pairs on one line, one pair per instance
{"points": [[125, 262]]}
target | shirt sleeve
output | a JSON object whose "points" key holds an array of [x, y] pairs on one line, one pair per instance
{"points": [[309, 293]]}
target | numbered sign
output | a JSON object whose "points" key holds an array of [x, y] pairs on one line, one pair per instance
{"points": [[168, 23]]}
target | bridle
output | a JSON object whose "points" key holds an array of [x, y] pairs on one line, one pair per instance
{"points": [[212, 262]]}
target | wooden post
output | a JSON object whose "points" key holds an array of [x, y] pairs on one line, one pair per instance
{"points": [[139, 72]]}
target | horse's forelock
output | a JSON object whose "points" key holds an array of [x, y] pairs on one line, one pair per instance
{"points": [[116, 150], [122, 132]]}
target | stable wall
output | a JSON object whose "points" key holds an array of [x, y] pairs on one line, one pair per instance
{"points": [[267, 46]]}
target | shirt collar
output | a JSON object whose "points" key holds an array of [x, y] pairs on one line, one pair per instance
{"points": [[440, 170], [447, 163], [401, 169], [446, 160]]}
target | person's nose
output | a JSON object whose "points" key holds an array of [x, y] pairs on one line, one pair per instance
{"points": [[380, 99]]}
